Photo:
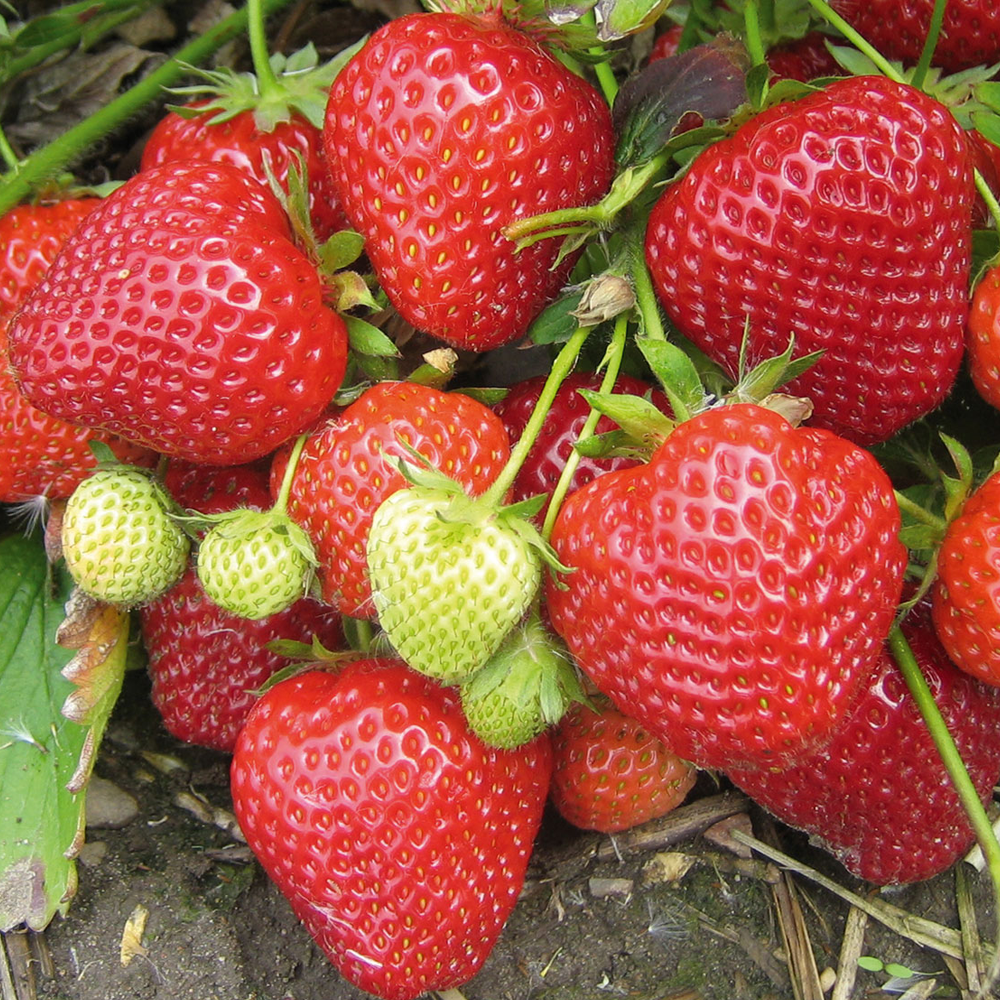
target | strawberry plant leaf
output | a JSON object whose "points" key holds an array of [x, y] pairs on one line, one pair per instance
{"points": [[676, 373], [619, 18], [41, 803], [708, 81], [556, 323], [368, 339]]}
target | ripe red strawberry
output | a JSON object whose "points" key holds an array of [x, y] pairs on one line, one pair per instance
{"points": [[563, 422], [982, 340], [239, 141], [843, 221], [207, 664], [344, 473], [181, 316], [399, 838], [610, 774], [733, 594], [967, 593], [970, 33], [41, 455], [441, 131], [803, 59], [877, 796], [30, 237]]}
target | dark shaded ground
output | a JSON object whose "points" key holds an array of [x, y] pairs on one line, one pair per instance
{"points": [[586, 928]]}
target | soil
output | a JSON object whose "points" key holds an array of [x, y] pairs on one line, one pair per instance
{"points": [[647, 916]]}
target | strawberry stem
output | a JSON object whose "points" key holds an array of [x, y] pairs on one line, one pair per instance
{"points": [[47, 161], [988, 197], [281, 502], [923, 515], [645, 296], [561, 367], [7, 152], [930, 44], [267, 82], [754, 41], [951, 758], [860, 43], [616, 350]]}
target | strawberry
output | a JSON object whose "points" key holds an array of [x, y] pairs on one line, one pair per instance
{"points": [[450, 577], [207, 664], [30, 237], [120, 542], [842, 221], [983, 337], [254, 563], [441, 131], [733, 594], [180, 315], [878, 796], [966, 609], [610, 774], [522, 689], [400, 840], [41, 455], [970, 33], [563, 423], [193, 133], [344, 473]]}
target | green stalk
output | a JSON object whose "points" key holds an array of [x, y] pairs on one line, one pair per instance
{"points": [[987, 195], [850, 33], [267, 82], [645, 296], [952, 761], [85, 34], [930, 44], [51, 159], [561, 367], [615, 351], [939, 524], [755, 43], [284, 491], [7, 153]]}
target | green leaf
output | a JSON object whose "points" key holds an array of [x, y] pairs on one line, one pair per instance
{"points": [[871, 964], [677, 374], [42, 752], [342, 249], [556, 323], [618, 18], [368, 339]]}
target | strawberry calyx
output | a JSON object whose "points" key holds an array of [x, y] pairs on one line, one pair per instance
{"points": [[279, 88], [524, 688]]}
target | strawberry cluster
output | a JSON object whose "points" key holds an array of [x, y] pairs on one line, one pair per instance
{"points": [[412, 612]]}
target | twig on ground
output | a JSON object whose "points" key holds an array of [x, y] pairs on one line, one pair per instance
{"points": [[975, 964], [851, 946], [921, 931]]}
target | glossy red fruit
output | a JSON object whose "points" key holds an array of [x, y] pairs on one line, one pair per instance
{"points": [[842, 220], [41, 455], [207, 665], [970, 32], [239, 142], [563, 423], [877, 796], [967, 593], [443, 130], [982, 339], [803, 59], [344, 473], [610, 774], [181, 316], [399, 838], [30, 237], [733, 594]]}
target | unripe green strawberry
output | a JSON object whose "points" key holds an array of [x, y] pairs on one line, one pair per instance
{"points": [[255, 563], [120, 543], [450, 576], [526, 686]]}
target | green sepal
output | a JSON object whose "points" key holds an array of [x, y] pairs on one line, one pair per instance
{"points": [[759, 382], [351, 291], [556, 322], [677, 374], [303, 88], [643, 425], [365, 338], [341, 250], [50, 729], [957, 488], [620, 18]]}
